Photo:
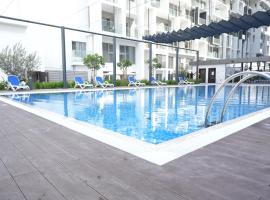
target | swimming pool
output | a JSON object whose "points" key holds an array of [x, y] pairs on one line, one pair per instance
{"points": [[153, 115]]}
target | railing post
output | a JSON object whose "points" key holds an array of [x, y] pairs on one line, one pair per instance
{"points": [[150, 62], [240, 74], [114, 61], [64, 64], [177, 65]]}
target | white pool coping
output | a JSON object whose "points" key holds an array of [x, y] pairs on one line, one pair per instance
{"points": [[159, 154]]}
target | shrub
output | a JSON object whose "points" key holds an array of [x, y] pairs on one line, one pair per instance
{"points": [[171, 82], [197, 81], [16, 60], [119, 82], [146, 82], [3, 85], [52, 85]]}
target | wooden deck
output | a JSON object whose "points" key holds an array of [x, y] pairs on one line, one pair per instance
{"points": [[40, 160]]}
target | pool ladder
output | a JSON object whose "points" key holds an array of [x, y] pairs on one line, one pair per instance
{"points": [[249, 74]]}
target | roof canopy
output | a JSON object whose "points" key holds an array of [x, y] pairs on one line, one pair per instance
{"points": [[243, 23]]}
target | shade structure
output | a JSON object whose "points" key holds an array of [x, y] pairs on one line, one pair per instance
{"points": [[243, 23]]}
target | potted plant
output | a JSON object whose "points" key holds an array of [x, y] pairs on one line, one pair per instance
{"points": [[123, 65], [93, 62]]}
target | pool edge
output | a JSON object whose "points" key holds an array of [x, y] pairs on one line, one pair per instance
{"points": [[158, 154]]}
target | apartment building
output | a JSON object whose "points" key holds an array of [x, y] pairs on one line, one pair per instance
{"points": [[129, 18]]}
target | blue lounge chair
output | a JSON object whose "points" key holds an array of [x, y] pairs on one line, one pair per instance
{"points": [[155, 82], [100, 82], [14, 84], [183, 80], [133, 82], [80, 83]]}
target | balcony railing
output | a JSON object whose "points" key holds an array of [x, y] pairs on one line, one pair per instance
{"points": [[155, 3], [131, 32], [213, 52], [162, 27], [111, 26], [216, 41], [202, 21]]}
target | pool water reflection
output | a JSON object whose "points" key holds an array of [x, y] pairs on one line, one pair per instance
{"points": [[153, 115]]}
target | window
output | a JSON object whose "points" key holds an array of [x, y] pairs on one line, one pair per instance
{"points": [[127, 53], [107, 49], [170, 62], [162, 60], [78, 49], [174, 9]]}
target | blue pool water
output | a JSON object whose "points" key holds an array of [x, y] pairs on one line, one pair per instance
{"points": [[152, 115]]}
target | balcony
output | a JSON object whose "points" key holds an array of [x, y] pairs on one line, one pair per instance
{"points": [[155, 3], [163, 28], [202, 21], [111, 26], [213, 52], [216, 41], [173, 12], [131, 31], [201, 4]]}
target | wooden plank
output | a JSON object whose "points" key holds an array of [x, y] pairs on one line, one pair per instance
{"points": [[236, 167], [35, 187], [8, 188]]}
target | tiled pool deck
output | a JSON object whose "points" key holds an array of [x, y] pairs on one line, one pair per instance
{"points": [[42, 160]]}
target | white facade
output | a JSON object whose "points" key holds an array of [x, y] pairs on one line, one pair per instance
{"points": [[127, 18]]}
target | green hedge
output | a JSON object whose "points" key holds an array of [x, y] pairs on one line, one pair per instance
{"points": [[146, 82], [197, 81], [125, 82], [52, 85], [171, 82], [119, 82]]}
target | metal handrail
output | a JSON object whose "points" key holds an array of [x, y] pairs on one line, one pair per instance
{"points": [[223, 85], [265, 75]]}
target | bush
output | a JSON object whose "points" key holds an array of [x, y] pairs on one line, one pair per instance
{"points": [[171, 82], [52, 85], [3, 85], [121, 83], [197, 81], [146, 82]]}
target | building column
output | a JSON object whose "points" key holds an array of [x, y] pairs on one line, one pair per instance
{"points": [[64, 64], [197, 64], [114, 61], [150, 62], [177, 65]]}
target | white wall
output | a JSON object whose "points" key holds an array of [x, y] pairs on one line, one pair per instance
{"points": [[45, 41], [220, 72]]}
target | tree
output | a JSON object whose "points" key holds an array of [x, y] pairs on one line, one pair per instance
{"points": [[124, 64], [15, 60], [183, 71], [94, 62], [155, 64]]}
